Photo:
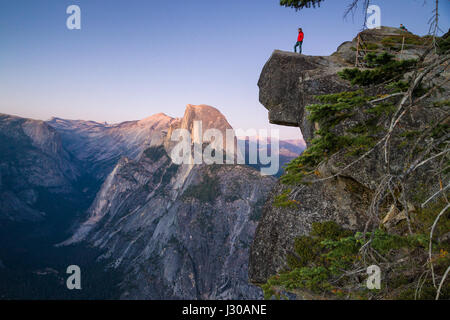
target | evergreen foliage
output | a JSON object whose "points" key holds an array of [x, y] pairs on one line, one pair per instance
{"points": [[300, 4], [319, 261], [383, 69]]}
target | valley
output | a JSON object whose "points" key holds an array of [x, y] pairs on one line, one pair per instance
{"points": [[109, 199]]}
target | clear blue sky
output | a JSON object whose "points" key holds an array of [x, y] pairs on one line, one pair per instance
{"points": [[134, 58]]}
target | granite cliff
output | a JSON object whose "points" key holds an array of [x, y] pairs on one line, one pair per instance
{"points": [[178, 231], [347, 176]]}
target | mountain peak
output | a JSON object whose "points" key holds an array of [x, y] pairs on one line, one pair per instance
{"points": [[211, 117], [158, 117]]}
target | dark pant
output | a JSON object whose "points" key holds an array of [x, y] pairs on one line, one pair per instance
{"points": [[298, 44]]}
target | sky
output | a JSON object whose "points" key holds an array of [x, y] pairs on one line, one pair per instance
{"points": [[135, 58]]}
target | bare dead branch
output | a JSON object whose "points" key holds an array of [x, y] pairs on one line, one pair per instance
{"points": [[431, 245], [442, 282], [434, 195]]}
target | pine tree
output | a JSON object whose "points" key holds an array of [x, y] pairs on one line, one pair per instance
{"points": [[300, 4]]}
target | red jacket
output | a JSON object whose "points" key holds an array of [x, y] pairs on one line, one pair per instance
{"points": [[301, 35]]}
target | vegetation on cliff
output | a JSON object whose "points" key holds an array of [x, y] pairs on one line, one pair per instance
{"points": [[397, 117], [331, 263]]}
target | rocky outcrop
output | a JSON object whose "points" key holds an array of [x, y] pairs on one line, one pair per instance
{"points": [[289, 82], [274, 240], [178, 231]]}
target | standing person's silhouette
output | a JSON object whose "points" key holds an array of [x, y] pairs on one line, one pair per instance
{"points": [[300, 38]]}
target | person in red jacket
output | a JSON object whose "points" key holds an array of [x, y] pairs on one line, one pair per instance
{"points": [[299, 40]]}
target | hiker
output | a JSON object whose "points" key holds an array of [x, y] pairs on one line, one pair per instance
{"points": [[299, 40], [402, 27]]}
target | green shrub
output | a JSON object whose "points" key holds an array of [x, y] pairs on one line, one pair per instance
{"points": [[371, 46], [322, 260], [380, 74], [283, 201]]}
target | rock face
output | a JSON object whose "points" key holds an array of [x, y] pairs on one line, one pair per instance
{"points": [[210, 117], [274, 238], [33, 163], [287, 85], [178, 232]]}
